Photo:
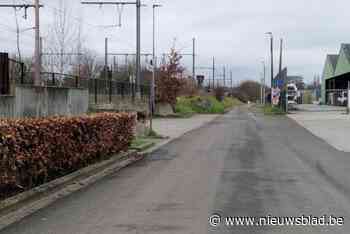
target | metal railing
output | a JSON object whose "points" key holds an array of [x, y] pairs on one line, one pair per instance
{"points": [[104, 91]]}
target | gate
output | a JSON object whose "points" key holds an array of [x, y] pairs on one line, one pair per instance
{"points": [[11, 71], [4, 74]]}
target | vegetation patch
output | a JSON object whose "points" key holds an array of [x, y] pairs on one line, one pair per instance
{"points": [[203, 105], [231, 102], [273, 110], [142, 144], [36, 151]]}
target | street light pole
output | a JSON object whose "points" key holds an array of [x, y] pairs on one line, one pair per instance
{"points": [[264, 82], [37, 79], [138, 48], [152, 101], [213, 73], [271, 50], [194, 59]]}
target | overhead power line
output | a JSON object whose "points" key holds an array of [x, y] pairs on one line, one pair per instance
{"points": [[137, 3]]}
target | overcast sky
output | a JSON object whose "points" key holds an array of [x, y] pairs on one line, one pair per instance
{"points": [[231, 30]]}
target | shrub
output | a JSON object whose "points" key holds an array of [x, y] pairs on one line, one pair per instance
{"points": [[231, 102], [273, 110], [248, 91], [189, 88], [34, 151], [169, 81], [201, 105], [184, 110]]}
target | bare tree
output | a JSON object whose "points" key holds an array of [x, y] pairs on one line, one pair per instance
{"points": [[63, 42], [90, 66]]}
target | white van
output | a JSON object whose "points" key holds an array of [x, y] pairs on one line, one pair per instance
{"points": [[292, 94]]}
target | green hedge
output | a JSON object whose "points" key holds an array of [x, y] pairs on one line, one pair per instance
{"points": [[35, 151]]}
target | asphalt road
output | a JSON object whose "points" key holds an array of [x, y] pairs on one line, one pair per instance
{"points": [[241, 164]]}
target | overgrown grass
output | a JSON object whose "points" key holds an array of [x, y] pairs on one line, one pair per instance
{"points": [[273, 110], [183, 110], [187, 106], [231, 102]]}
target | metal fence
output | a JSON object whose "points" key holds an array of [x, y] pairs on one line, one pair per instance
{"points": [[105, 91], [101, 90]]}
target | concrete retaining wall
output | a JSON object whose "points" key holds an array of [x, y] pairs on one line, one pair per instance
{"points": [[7, 106], [31, 101]]}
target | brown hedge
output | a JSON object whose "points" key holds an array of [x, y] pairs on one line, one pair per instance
{"points": [[34, 151]]}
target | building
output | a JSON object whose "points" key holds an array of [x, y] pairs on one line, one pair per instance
{"points": [[336, 72]]}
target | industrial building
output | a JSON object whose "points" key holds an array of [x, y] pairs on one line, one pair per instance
{"points": [[336, 75]]}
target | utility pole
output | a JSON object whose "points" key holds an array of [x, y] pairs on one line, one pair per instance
{"points": [[194, 59], [264, 82], [106, 59], [41, 53], [138, 35], [261, 88], [138, 48], [115, 65], [213, 73], [231, 78], [152, 101], [280, 75], [36, 7], [271, 45], [281, 54], [271, 51], [37, 68], [224, 75]]}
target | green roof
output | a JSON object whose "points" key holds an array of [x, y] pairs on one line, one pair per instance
{"points": [[330, 66]]}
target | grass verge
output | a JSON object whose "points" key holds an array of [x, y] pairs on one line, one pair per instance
{"points": [[188, 106], [143, 143], [273, 110]]}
